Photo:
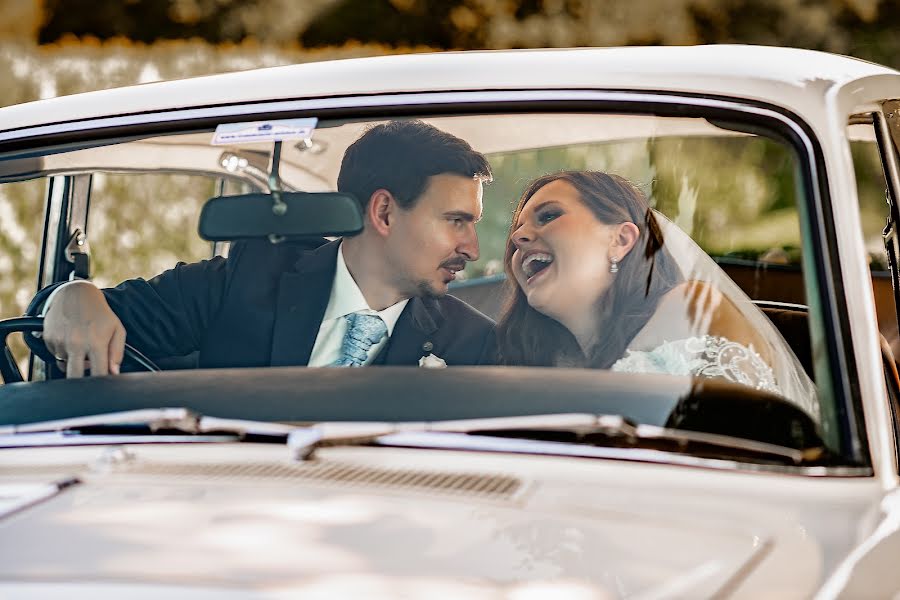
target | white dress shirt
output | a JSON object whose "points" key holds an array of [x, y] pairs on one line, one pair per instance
{"points": [[347, 298]]}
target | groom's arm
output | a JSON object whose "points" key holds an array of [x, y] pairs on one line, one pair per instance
{"points": [[165, 316]]}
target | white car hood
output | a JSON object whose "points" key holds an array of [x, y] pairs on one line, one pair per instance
{"points": [[386, 523]]}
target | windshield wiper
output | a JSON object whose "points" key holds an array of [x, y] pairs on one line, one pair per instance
{"points": [[581, 429], [153, 420], [615, 430], [567, 429]]}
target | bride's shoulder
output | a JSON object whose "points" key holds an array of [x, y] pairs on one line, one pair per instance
{"points": [[678, 314], [697, 330], [695, 299], [695, 309]]}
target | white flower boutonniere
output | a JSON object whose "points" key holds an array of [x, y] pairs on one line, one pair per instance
{"points": [[432, 361]]}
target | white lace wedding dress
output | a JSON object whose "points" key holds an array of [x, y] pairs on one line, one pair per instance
{"points": [[703, 356]]}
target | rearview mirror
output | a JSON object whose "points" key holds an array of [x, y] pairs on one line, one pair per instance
{"points": [[297, 214]]}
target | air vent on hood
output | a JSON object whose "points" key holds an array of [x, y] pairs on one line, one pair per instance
{"points": [[469, 484]]}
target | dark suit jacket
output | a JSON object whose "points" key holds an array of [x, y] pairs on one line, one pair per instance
{"points": [[263, 305]]}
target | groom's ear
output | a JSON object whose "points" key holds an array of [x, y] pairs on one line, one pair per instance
{"points": [[380, 211], [624, 236]]}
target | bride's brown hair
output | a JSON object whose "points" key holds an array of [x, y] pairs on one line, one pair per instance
{"points": [[646, 273]]}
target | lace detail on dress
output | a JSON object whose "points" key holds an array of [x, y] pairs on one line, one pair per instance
{"points": [[704, 356]]}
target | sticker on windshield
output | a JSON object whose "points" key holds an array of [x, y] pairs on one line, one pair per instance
{"points": [[264, 131]]}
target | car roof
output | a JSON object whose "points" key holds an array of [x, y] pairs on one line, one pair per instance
{"points": [[788, 77]]}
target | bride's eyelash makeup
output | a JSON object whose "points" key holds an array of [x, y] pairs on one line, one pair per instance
{"points": [[545, 216]]}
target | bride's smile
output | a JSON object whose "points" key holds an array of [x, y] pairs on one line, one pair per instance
{"points": [[534, 264]]}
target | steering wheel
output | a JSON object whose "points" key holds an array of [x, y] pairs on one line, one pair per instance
{"points": [[10, 370]]}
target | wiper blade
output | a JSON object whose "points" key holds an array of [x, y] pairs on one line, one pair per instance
{"points": [[304, 441], [619, 431], [583, 428], [579, 428], [181, 420]]}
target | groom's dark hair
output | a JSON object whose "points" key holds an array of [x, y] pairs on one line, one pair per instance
{"points": [[400, 156]]}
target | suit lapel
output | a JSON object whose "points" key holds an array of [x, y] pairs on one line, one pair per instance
{"points": [[302, 299], [412, 333]]}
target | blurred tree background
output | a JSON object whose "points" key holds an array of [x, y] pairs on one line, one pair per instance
{"points": [[862, 28], [57, 47]]}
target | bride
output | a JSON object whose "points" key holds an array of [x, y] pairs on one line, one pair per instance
{"points": [[594, 281]]}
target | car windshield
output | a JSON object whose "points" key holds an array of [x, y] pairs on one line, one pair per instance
{"points": [[639, 256]]}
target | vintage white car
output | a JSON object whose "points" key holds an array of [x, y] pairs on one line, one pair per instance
{"points": [[741, 443]]}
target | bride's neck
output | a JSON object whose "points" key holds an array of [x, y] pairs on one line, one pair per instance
{"points": [[589, 326], [586, 331]]}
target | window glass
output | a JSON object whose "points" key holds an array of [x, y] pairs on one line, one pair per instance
{"points": [[637, 247], [743, 212], [871, 189], [21, 224], [142, 224], [728, 196]]}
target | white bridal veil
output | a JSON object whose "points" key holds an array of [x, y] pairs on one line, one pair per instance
{"points": [[786, 377]]}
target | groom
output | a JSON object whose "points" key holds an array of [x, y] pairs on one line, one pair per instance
{"points": [[378, 297]]}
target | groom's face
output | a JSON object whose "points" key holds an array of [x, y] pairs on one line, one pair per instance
{"points": [[432, 241]]}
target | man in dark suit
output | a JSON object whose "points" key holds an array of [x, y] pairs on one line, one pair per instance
{"points": [[378, 297]]}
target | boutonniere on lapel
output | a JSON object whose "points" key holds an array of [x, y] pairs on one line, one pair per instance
{"points": [[431, 361]]}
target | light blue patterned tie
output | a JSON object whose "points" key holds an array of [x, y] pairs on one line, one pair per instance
{"points": [[363, 331]]}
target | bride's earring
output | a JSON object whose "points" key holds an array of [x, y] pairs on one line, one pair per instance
{"points": [[613, 265]]}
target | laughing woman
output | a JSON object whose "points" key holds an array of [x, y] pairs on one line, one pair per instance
{"points": [[594, 282]]}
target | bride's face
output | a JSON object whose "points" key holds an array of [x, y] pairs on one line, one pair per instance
{"points": [[562, 254]]}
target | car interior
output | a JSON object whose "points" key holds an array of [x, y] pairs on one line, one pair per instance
{"points": [[311, 165]]}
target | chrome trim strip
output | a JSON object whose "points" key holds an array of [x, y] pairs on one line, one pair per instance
{"points": [[782, 305]]}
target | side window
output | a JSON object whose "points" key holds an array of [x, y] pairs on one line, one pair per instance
{"points": [[873, 211], [872, 192], [142, 224], [21, 226], [871, 189]]}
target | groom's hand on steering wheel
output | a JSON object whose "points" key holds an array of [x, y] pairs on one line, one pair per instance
{"points": [[83, 332]]}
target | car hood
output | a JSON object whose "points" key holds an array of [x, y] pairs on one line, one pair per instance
{"points": [[246, 520]]}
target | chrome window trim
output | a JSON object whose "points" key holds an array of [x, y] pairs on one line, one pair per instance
{"points": [[781, 305], [820, 280]]}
